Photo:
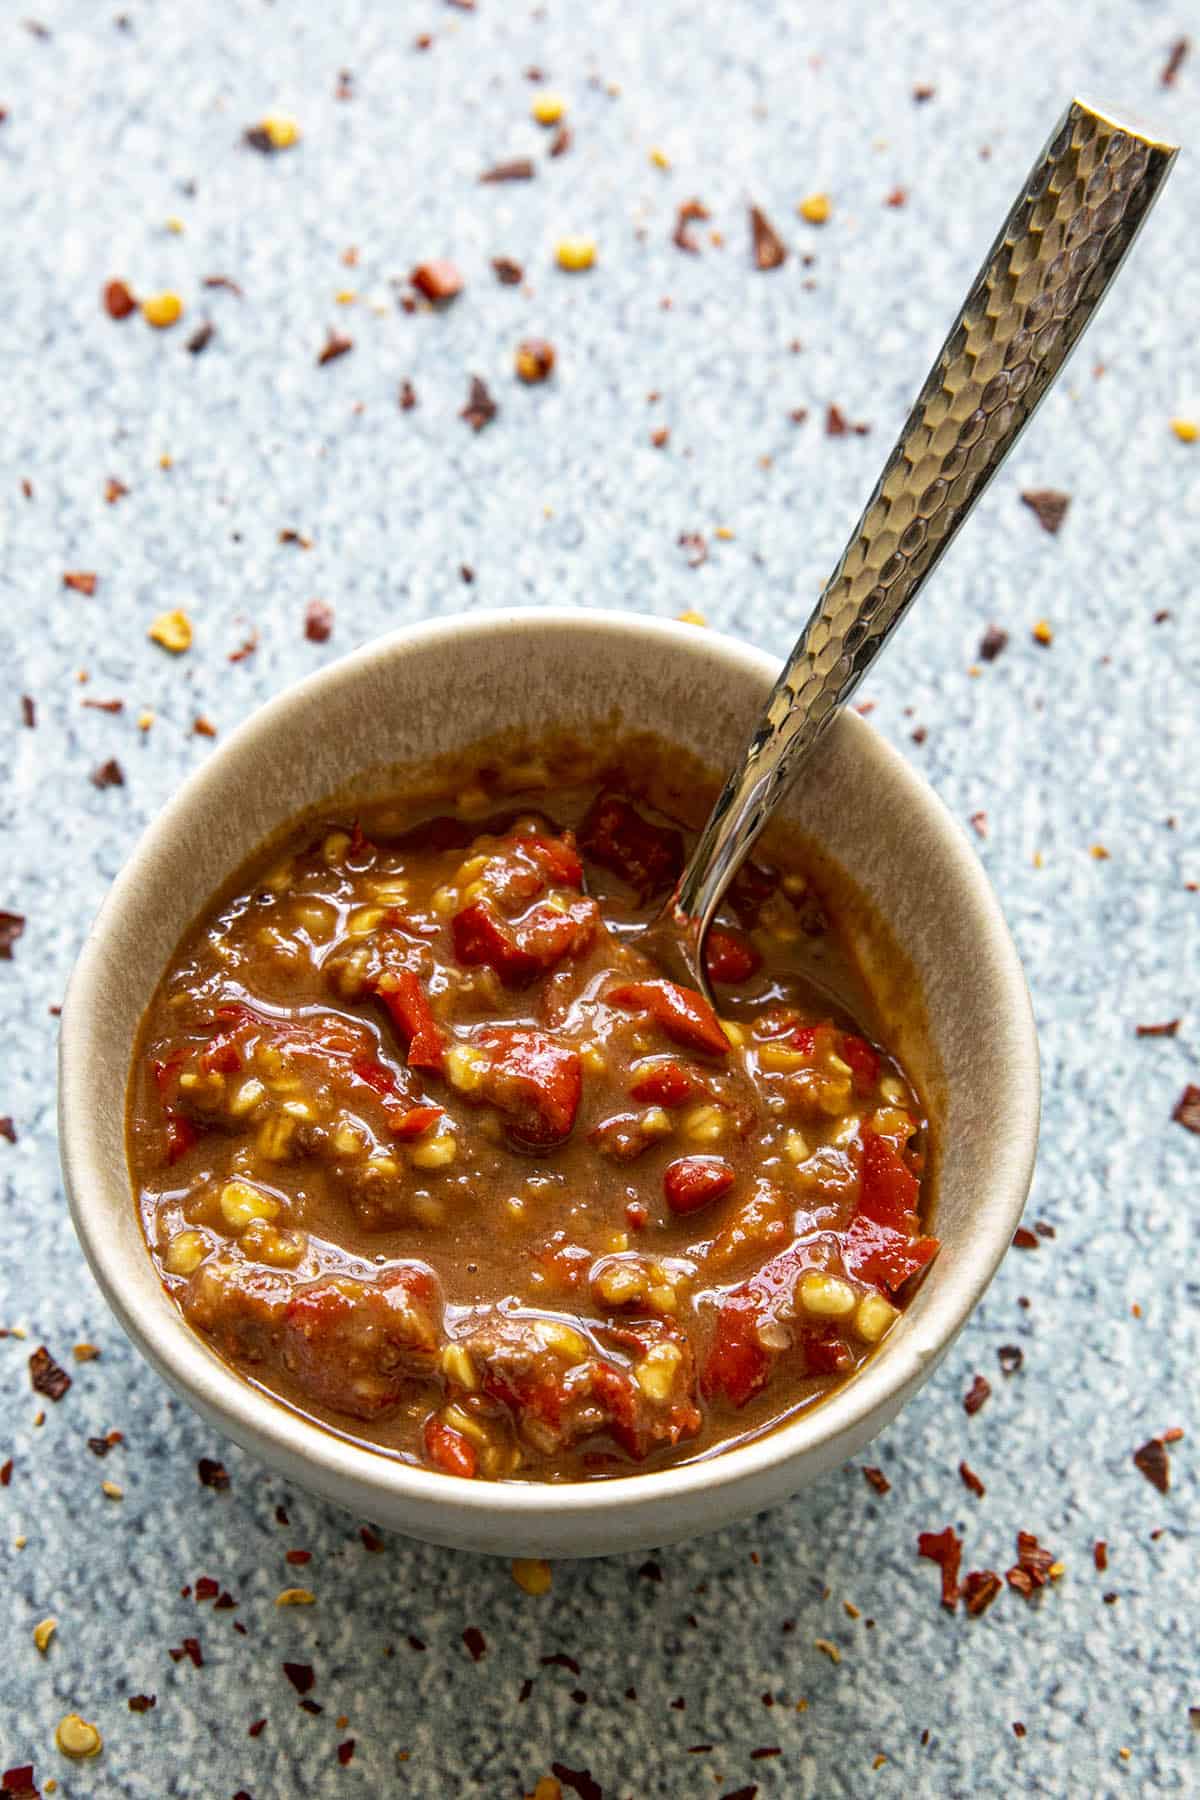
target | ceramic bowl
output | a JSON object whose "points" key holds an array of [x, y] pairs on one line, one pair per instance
{"points": [[437, 688]]}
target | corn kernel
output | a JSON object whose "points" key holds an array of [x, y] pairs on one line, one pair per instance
{"points": [[245, 1097], [348, 1139], [704, 1124], [660, 159], [1043, 634], [593, 1059], [43, 1631], [656, 1372], [162, 310], [814, 208], [382, 1165], [474, 890], [547, 108], [275, 1138], [391, 890], [444, 900], [435, 1152], [620, 1283], [795, 1148], [185, 1252], [663, 1298], [280, 879], [533, 1575], [781, 1059], [427, 1211], [575, 253], [458, 1367], [78, 1739], [316, 916], [833, 1097], [893, 1091], [465, 1068], [561, 1338], [691, 617], [826, 1297], [173, 630], [846, 1131], [283, 132], [240, 1203], [734, 1032], [335, 847], [459, 1419], [174, 226], [655, 1122], [473, 801], [264, 1242], [300, 1109], [874, 1317], [364, 920]]}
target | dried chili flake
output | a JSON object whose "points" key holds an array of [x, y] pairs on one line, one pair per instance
{"points": [[1187, 1107], [256, 1728], [1152, 1459], [202, 337], [142, 1703], [438, 280], [105, 706], [519, 169], [300, 1675], [28, 712], [18, 1783], [109, 774], [897, 198], [203, 727], [976, 1395], [480, 409], [558, 1659], [6, 1469], [1018, 1728], [660, 437], [945, 1549], [45, 1375], [561, 142], [334, 346], [923, 92], [1176, 57], [524, 1691], [345, 1751], [369, 1539], [407, 396], [212, 1474], [689, 213], [114, 490], [414, 1642], [992, 643], [298, 1557], [222, 281], [535, 359], [118, 300], [8, 1130], [206, 1588], [245, 649], [507, 272], [1010, 1358], [80, 581], [769, 249], [971, 1480], [695, 548], [1168, 1028], [877, 1479], [1048, 506], [1024, 1239], [979, 824], [318, 622], [311, 1706], [1100, 1555], [578, 1780], [838, 425], [190, 1648], [475, 1641], [1033, 1568]]}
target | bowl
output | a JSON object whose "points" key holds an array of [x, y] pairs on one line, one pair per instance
{"points": [[435, 689]]}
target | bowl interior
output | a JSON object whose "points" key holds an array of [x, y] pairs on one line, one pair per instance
{"points": [[953, 1004]]}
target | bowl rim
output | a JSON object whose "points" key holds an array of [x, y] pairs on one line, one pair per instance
{"points": [[254, 1418]]}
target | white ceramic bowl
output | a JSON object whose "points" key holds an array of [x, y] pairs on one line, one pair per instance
{"points": [[439, 687]]}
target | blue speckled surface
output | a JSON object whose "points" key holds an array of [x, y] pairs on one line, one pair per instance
{"points": [[110, 132]]}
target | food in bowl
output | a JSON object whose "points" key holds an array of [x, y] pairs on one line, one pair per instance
{"points": [[427, 1147]]}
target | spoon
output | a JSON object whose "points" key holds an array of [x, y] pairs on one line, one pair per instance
{"points": [[1065, 237]]}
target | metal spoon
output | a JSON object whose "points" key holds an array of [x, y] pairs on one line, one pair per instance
{"points": [[1067, 234]]}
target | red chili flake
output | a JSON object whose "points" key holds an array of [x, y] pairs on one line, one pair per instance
{"points": [[281, 1516], [298, 1556], [300, 1675], [414, 1642], [980, 1588], [769, 248], [407, 396], [976, 1394], [661, 437], [923, 92], [1043, 1229], [224, 1602], [979, 824], [202, 337], [245, 649], [256, 1729], [535, 359], [190, 1648], [1010, 1358], [345, 1751], [370, 1541], [971, 1480], [1049, 507], [692, 542], [310, 1706], [1018, 1728], [877, 1479], [507, 272], [207, 1588], [118, 301], [222, 281], [19, 1783], [45, 1375], [838, 425], [8, 1129], [945, 1549], [1032, 1567], [202, 727], [578, 1780], [1154, 1463], [6, 1469], [480, 409], [519, 169], [992, 643], [467, 574], [423, 41], [27, 490], [80, 581], [688, 214], [335, 345], [561, 142], [318, 622], [1024, 1239], [798, 415], [1100, 1555], [106, 706], [438, 280], [114, 490], [213, 1474], [109, 774], [28, 712], [475, 1641], [1167, 1029], [1176, 57], [560, 1660], [579, 1696], [897, 197], [142, 1703], [1187, 1107]]}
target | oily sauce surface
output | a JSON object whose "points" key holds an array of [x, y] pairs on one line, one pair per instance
{"points": [[425, 1145]]}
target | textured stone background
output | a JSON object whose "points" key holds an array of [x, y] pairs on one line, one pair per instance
{"points": [[109, 132]]}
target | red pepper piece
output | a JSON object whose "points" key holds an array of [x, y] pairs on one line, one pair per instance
{"points": [[813, 1040], [737, 1366], [398, 920], [888, 1189], [683, 1014], [864, 1063], [179, 1133], [558, 858], [691, 1182], [883, 1256], [406, 1001], [663, 1084], [535, 1081], [416, 1120], [448, 1449], [615, 835], [824, 1352], [522, 950], [729, 957]]}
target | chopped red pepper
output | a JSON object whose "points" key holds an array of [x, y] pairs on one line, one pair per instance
{"points": [[179, 1132], [863, 1061], [883, 1256], [416, 1120], [521, 949], [729, 956], [683, 1014], [615, 835], [406, 1001], [557, 856], [535, 1081], [888, 1190], [449, 1449], [663, 1083], [738, 1364], [825, 1353], [691, 1182]]}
